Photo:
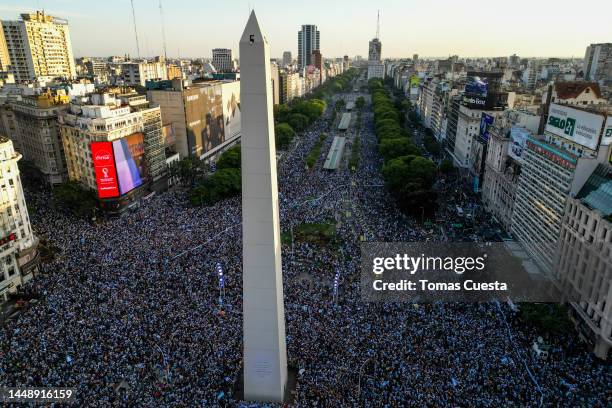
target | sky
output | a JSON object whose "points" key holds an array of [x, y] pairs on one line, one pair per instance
{"points": [[430, 28]]}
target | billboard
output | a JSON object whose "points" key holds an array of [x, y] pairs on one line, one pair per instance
{"points": [[486, 121], [168, 135], [231, 109], [574, 125], [518, 139], [104, 168], [129, 161], [606, 140], [204, 117], [477, 86]]}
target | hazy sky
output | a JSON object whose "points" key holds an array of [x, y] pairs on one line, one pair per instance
{"points": [[426, 27]]}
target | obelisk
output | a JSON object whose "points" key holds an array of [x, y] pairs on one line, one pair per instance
{"points": [[265, 353]]}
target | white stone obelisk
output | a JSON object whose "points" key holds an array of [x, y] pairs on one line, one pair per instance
{"points": [[265, 353]]}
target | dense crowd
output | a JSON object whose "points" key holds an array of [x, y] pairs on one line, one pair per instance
{"points": [[130, 312]]}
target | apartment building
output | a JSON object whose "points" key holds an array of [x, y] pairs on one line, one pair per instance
{"points": [[39, 46]]}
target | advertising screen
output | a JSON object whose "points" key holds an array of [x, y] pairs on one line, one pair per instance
{"points": [[518, 139], [129, 159], [476, 86], [485, 122], [575, 125], [606, 140], [231, 109], [104, 168], [168, 135], [205, 123]]}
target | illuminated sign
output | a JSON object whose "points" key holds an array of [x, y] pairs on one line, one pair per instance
{"points": [[129, 159], [104, 167], [607, 136]]}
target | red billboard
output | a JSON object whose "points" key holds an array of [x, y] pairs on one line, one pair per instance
{"points": [[104, 166]]}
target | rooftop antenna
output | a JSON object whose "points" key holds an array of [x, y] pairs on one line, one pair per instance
{"points": [[161, 13], [135, 30], [378, 25]]}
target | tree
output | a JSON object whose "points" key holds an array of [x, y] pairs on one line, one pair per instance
{"points": [[431, 144], [392, 148], [230, 158], [298, 121], [360, 102], [73, 197], [223, 184], [284, 135], [340, 104], [413, 117], [423, 171], [188, 170], [281, 113]]}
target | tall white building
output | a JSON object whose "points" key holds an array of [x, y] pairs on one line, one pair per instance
{"points": [[376, 69], [17, 241], [309, 39], [222, 59], [39, 46], [138, 73]]}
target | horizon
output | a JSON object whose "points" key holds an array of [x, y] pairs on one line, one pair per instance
{"points": [[401, 36]]}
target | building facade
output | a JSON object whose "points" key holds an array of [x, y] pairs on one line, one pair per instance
{"points": [[37, 132], [18, 245], [113, 145], [287, 58], [39, 46], [584, 263], [376, 68], [598, 63], [205, 116], [222, 59], [309, 39], [138, 73]]}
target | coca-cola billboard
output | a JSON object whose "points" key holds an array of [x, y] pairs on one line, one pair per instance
{"points": [[104, 166]]}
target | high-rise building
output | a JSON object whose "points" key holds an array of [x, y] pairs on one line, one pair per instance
{"points": [[376, 69], [289, 86], [598, 63], [222, 59], [309, 39], [4, 55], [37, 134], [39, 46], [113, 144], [18, 245], [287, 58], [317, 62], [555, 166], [584, 263]]}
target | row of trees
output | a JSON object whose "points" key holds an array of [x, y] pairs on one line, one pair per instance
{"points": [[294, 118], [408, 176]]}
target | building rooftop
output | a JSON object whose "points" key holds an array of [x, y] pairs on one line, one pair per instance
{"points": [[571, 90], [597, 191]]}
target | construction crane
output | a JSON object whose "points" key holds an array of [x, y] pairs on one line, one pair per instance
{"points": [[135, 30], [161, 13]]}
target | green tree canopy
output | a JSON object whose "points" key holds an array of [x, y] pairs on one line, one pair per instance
{"points": [[231, 158], [298, 121], [393, 148], [284, 135]]}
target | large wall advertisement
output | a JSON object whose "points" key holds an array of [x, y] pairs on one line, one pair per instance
{"points": [[231, 109], [518, 140], [575, 125], [129, 161], [482, 89], [204, 114], [486, 121], [104, 168]]}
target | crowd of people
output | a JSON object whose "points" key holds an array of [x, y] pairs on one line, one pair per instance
{"points": [[130, 312]]}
